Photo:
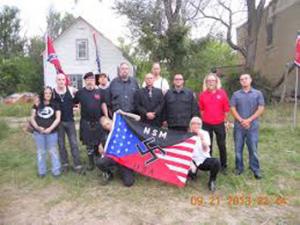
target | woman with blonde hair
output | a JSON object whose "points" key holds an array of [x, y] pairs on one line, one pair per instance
{"points": [[201, 157], [205, 81], [214, 108]]}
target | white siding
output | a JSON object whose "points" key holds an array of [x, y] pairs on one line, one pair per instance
{"points": [[65, 47]]}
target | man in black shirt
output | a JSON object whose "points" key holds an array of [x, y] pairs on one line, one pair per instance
{"points": [[122, 90], [92, 107], [180, 105], [149, 102], [63, 96], [121, 96]]}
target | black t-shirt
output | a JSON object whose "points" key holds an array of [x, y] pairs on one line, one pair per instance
{"points": [[90, 101], [65, 102], [105, 93], [46, 114]]}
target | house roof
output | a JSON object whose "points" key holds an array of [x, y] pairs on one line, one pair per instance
{"points": [[93, 28]]}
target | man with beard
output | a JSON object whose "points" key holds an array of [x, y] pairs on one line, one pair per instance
{"points": [[92, 107]]}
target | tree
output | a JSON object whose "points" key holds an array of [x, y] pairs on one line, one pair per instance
{"points": [[204, 55], [34, 80], [10, 41], [20, 73], [133, 53], [57, 23], [160, 27], [21, 65], [23, 72], [9, 78], [224, 14], [66, 21]]}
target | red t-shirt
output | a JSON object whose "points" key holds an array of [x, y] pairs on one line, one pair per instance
{"points": [[213, 106]]}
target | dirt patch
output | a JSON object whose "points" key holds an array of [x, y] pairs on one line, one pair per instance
{"points": [[116, 204]]}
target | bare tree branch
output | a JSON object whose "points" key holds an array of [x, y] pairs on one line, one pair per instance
{"points": [[177, 8], [225, 6], [168, 10], [260, 10], [227, 24], [197, 9], [210, 16]]}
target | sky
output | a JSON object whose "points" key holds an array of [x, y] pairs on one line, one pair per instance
{"points": [[99, 13]]}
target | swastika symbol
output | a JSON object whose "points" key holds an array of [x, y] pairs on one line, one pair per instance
{"points": [[150, 149]]}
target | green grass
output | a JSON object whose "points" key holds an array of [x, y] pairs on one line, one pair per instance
{"points": [[279, 153], [15, 110], [4, 129], [279, 150]]}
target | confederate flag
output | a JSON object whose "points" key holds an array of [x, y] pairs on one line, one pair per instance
{"points": [[297, 55], [162, 154], [52, 58]]}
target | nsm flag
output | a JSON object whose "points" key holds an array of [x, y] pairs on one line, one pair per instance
{"points": [[162, 154]]}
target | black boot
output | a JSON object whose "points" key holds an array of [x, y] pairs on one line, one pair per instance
{"points": [[192, 175], [106, 178], [65, 168], [79, 170], [91, 165]]}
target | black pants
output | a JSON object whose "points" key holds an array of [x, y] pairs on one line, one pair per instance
{"points": [[69, 129], [220, 132], [91, 132], [212, 165], [92, 150], [106, 164]]}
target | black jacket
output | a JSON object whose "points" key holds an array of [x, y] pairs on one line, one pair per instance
{"points": [[121, 94], [179, 108], [144, 104]]}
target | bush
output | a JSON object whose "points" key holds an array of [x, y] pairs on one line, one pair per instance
{"points": [[231, 83]]}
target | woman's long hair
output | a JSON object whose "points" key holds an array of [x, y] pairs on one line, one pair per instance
{"points": [[219, 85], [42, 96]]}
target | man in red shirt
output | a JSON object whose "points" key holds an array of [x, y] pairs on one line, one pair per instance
{"points": [[214, 107]]}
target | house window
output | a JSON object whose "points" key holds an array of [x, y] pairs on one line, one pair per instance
{"points": [[76, 80], [82, 49], [269, 34]]}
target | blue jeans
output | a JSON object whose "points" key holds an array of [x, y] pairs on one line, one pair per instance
{"points": [[44, 143], [250, 136]]}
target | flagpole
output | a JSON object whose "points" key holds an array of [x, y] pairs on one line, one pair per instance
{"points": [[97, 53], [296, 97]]}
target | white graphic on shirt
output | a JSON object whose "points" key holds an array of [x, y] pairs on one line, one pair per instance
{"points": [[46, 112]]}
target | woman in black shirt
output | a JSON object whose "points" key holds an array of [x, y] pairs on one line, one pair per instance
{"points": [[45, 118]]}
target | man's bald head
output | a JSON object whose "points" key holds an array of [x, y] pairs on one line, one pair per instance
{"points": [[60, 80], [149, 79]]}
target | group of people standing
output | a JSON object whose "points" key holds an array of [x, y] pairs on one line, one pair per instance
{"points": [[156, 104]]}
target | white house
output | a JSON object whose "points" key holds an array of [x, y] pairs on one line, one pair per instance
{"points": [[75, 49]]}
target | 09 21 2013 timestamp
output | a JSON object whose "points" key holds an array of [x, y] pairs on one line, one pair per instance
{"points": [[247, 200]]}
